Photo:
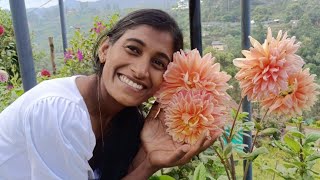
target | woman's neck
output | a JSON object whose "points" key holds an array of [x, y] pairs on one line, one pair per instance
{"points": [[101, 106]]}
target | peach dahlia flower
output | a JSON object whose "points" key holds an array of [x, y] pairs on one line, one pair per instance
{"points": [[300, 95], [191, 113], [266, 67], [190, 71]]}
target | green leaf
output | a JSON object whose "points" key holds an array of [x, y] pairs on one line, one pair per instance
{"points": [[233, 113], [271, 170], [248, 126], [258, 151], [312, 137], [223, 177], [227, 151], [313, 157], [284, 148], [242, 115], [296, 133], [269, 131], [154, 178], [200, 172], [166, 177], [258, 126], [295, 164], [291, 143]]}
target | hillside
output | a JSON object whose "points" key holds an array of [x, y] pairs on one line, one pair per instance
{"points": [[45, 22]]}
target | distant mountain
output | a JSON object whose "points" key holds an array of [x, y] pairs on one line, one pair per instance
{"points": [[45, 22], [107, 5]]}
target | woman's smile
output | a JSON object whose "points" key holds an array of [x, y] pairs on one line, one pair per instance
{"points": [[135, 85]]}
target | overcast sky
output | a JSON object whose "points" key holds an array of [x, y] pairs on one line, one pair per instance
{"points": [[4, 4]]}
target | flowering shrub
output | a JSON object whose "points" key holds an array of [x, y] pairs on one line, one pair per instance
{"points": [[45, 73], [194, 99], [78, 58], [1, 30], [8, 55], [3, 76]]}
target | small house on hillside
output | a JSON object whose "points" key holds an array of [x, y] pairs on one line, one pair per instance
{"points": [[218, 45]]}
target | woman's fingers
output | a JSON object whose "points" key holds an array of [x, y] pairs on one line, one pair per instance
{"points": [[210, 141], [202, 144], [178, 157], [194, 149]]}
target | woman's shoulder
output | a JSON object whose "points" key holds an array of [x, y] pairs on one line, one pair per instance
{"points": [[63, 87], [60, 88], [53, 95]]}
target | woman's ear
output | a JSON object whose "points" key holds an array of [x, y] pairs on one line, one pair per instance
{"points": [[103, 50]]}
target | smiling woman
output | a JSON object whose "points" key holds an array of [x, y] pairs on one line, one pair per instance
{"points": [[90, 127]]}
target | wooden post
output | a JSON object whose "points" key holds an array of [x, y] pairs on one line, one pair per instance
{"points": [[52, 55]]}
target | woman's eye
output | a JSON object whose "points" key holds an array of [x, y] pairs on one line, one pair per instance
{"points": [[159, 64], [133, 49]]}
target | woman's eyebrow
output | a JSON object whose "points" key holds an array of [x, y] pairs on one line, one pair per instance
{"points": [[137, 41]]}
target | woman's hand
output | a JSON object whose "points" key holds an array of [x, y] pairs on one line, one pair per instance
{"points": [[160, 149]]}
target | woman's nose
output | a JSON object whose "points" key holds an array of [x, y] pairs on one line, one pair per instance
{"points": [[140, 69]]}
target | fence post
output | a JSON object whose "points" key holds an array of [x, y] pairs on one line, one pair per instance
{"points": [[52, 55]]}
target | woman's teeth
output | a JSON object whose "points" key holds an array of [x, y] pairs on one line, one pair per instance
{"points": [[126, 80]]}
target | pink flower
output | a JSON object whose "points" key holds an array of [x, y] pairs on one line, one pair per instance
{"points": [[193, 72], [2, 30], [191, 113], [265, 69], [10, 86], [300, 95], [4, 76], [99, 27], [68, 55], [79, 55], [45, 73]]}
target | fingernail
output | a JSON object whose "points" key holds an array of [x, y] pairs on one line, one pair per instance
{"points": [[185, 148]]}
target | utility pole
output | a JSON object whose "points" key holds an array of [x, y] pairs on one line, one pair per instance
{"points": [[24, 50], [195, 25], [246, 105], [63, 26]]}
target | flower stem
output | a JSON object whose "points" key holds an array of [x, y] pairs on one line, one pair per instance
{"points": [[224, 163], [234, 120], [233, 168], [301, 153], [254, 142]]}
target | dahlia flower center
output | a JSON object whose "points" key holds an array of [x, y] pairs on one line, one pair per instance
{"points": [[191, 79], [287, 92], [193, 121]]}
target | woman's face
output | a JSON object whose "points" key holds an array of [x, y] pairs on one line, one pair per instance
{"points": [[135, 63]]}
